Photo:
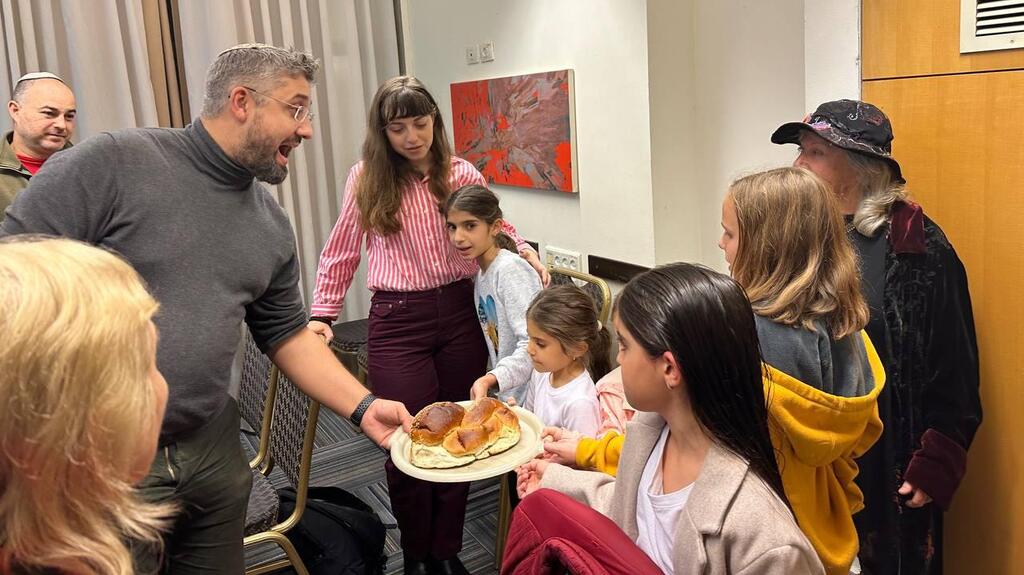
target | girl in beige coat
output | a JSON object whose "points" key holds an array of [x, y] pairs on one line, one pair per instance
{"points": [[698, 487]]}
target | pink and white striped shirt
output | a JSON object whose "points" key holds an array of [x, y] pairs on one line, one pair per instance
{"points": [[419, 257]]}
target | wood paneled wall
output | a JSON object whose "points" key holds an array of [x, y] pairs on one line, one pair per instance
{"points": [[903, 38], [959, 126]]}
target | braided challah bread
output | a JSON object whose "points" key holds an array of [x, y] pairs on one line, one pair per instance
{"points": [[445, 434]]}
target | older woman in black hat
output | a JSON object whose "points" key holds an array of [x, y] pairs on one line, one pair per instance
{"points": [[922, 325]]}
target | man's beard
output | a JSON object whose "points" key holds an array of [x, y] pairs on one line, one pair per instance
{"points": [[259, 155]]}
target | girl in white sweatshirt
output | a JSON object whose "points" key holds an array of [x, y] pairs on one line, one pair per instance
{"points": [[503, 289]]}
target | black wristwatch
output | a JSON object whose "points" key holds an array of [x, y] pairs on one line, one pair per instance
{"points": [[360, 410], [321, 319]]}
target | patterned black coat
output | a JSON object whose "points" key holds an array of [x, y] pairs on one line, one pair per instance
{"points": [[923, 325]]}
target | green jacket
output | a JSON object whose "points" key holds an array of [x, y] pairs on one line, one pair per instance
{"points": [[13, 176]]}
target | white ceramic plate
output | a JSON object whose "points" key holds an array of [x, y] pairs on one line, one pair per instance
{"points": [[529, 446]]}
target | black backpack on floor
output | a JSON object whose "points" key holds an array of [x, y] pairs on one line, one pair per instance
{"points": [[338, 533]]}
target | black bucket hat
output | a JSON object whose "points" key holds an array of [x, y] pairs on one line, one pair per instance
{"points": [[850, 124]]}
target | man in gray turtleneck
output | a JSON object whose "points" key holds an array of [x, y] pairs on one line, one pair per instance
{"points": [[186, 209]]}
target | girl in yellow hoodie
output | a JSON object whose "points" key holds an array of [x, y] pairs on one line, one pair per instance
{"points": [[785, 243]]}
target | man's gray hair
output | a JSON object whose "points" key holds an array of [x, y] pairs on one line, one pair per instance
{"points": [[880, 189], [258, 66]]}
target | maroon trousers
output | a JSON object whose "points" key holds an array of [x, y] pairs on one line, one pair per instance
{"points": [[552, 534], [425, 347]]}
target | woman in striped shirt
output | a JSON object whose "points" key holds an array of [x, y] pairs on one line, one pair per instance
{"points": [[425, 343]]}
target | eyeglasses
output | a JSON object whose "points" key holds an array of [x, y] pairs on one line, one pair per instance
{"points": [[302, 113]]}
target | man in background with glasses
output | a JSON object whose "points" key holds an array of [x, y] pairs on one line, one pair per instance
{"points": [[186, 209]]}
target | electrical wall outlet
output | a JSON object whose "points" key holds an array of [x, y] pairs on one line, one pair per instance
{"points": [[562, 258], [472, 54], [487, 52]]}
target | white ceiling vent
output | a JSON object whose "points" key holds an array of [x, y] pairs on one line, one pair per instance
{"points": [[991, 25]]}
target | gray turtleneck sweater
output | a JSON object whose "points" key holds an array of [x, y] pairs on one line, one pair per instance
{"points": [[212, 244]]}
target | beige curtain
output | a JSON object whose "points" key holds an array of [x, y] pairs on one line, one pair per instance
{"points": [[356, 43], [165, 62], [105, 49]]}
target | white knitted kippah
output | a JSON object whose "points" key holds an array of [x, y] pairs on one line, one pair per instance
{"points": [[39, 76]]}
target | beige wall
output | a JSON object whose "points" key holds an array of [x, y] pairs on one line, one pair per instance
{"points": [[605, 43], [724, 74], [674, 100]]}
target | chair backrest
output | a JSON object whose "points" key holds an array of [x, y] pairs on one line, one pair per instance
{"points": [[594, 286], [255, 382], [292, 431]]}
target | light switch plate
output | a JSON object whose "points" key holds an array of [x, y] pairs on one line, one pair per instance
{"points": [[487, 52]]}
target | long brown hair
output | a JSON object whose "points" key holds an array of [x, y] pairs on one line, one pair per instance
{"points": [[379, 191], [568, 314], [794, 259], [704, 319]]}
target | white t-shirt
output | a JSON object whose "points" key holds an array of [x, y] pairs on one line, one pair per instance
{"points": [[657, 513], [573, 406]]}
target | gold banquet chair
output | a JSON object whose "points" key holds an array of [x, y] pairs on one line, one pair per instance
{"points": [[256, 393], [256, 396], [292, 429], [594, 286], [349, 346]]}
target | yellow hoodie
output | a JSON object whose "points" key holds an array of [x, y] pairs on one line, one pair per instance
{"points": [[600, 454], [818, 436]]}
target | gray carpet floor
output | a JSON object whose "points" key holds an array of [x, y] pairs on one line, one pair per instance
{"points": [[345, 458]]}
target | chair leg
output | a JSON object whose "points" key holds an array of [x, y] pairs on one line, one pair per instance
{"points": [[293, 555], [504, 519]]}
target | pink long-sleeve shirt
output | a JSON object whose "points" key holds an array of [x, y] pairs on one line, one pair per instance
{"points": [[417, 258]]}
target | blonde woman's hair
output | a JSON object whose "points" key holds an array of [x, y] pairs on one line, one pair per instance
{"points": [[75, 358], [794, 260], [879, 191]]}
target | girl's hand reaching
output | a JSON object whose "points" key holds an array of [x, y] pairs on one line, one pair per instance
{"points": [[558, 434], [528, 477], [482, 386], [562, 451]]}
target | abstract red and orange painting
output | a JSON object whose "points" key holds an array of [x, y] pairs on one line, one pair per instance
{"points": [[518, 130]]}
